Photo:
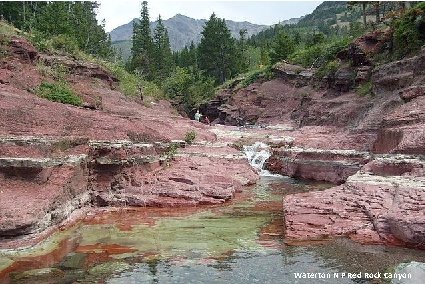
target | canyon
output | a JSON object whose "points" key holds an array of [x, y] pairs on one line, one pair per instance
{"points": [[59, 161]]}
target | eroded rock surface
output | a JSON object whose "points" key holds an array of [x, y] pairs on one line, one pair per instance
{"points": [[113, 151], [382, 203]]}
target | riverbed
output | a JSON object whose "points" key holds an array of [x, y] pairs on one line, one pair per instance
{"points": [[239, 242]]}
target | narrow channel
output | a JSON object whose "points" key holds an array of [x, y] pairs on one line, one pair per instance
{"points": [[240, 242]]}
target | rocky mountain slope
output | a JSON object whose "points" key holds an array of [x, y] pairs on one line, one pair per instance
{"points": [[182, 30]]}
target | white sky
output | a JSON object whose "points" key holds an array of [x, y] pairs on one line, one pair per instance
{"points": [[119, 12]]}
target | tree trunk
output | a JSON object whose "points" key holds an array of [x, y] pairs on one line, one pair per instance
{"points": [[364, 13], [377, 12]]}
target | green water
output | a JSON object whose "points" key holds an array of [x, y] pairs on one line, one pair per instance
{"points": [[240, 242]]}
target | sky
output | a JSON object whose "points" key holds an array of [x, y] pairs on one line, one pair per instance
{"points": [[121, 12]]}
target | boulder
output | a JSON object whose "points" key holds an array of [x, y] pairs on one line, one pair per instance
{"points": [[23, 49]]}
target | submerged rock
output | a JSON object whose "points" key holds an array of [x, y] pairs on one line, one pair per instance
{"points": [[38, 276], [408, 273]]}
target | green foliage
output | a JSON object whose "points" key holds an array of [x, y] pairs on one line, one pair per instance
{"points": [[328, 70], [7, 30], [282, 47], [163, 58], [365, 89], [189, 137], [187, 87], [68, 26], [253, 76], [64, 43], [318, 55], [409, 31], [55, 71], [142, 51], [217, 53], [58, 92], [131, 84], [152, 90], [169, 154]]}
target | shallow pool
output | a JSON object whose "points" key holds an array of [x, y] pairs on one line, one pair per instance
{"points": [[240, 242]]}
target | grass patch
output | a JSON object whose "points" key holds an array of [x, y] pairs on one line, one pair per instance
{"points": [[58, 72], [328, 70], [58, 92], [256, 75], [190, 137], [129, 84], [7, 30], [365, 89]]}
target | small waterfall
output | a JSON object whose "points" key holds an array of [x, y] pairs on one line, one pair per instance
{"points": [[257, 155]]}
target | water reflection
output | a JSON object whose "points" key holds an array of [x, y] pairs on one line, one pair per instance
{"points": [[237, 243]]}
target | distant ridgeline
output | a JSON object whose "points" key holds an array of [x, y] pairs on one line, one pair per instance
{"points": [[182, 31]]}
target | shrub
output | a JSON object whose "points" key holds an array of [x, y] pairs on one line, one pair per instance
{"points": [[190, 137], [250, 78], [169, 154], [409, 31], [253, 76], [318, 55], [56, 71], [57, 43], [64, 43], [131, 84], [188, 88], [365, 89], [328, 70], [58, 92]]}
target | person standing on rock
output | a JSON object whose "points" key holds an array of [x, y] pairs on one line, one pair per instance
{"points": [[197, 115], [206, 120]]}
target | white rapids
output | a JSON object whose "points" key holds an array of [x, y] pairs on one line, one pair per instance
{"points": [[257, 155]]}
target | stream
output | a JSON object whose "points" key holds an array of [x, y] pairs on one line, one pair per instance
{"points": [[239, 242]]}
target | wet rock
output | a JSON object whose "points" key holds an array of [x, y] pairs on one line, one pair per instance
{"points": [[195, 175], [38, 276], [74, 261], [109, 268], [408, 273]]}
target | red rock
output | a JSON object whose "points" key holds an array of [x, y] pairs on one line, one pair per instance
{"points": [[369, 208], [24, 49]]}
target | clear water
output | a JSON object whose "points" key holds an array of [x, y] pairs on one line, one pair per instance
{"points": [[240, 242]]}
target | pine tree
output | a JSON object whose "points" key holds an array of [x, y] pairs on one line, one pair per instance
{"points": [[163, 59], [282, 47], [242, 56], [142, 49], [217, 52]]}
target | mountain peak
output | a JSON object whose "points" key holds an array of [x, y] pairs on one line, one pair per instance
{"points": [[182, 30]]}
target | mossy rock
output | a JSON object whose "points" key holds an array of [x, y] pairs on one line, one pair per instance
{"points": [[34, 276], [109, 268]]}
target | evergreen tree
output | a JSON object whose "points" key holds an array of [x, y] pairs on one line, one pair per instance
{"points": [[142, 49], [217, 52], [163, 59], [242, 56], [282, 47]]}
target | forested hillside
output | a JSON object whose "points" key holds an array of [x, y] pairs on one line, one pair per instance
{"points": [[189, 77], [69, 25]]}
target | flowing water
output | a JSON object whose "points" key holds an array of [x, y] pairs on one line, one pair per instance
{"points": [[240, 242]]}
